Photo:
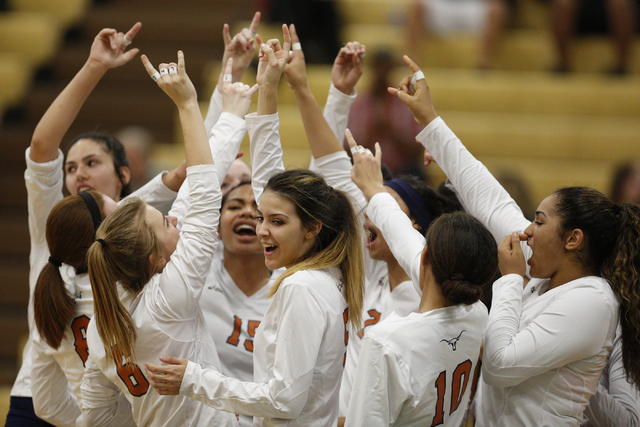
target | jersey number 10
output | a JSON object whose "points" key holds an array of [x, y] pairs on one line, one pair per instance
{"points": [[458, 387]]}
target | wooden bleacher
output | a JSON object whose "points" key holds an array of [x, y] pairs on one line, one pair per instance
{"points": [[556, 130]]}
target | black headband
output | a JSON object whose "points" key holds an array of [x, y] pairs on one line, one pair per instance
{"points": [[415, 203], [93, 208]]}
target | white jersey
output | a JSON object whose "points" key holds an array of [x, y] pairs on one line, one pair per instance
{"points": [[44, 182], [544, 350], [232, 318], [418, 370], [298, 358], [379, 301], [168, 322], [616, 402]]}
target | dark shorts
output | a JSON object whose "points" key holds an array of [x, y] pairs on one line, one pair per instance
{"points": [[21, 414]]}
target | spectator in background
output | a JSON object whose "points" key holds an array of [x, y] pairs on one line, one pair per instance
{"points": [[138, 142], [378, 116], [443, 17], [317, 21], [625, 187], [594, 16]]}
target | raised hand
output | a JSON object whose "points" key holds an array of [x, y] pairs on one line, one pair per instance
{"points": [[366, 172], [173, 80], [236, 97], [240, 48], [109, 47], [417, 98], [348, 67], [510, 257], [296, 69], [273, 59]]}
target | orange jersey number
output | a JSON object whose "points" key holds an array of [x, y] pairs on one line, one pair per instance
{"points": [[79, 327], [234, 338], [131, 375], [458, 387]]}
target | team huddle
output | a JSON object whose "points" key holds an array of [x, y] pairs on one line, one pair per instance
{"points": [[321, 297]]}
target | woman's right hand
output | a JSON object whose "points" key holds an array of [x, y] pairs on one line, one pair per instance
{"points": [[510, 256], [419, 99], [273, 59], [175, 84], [236, 97], [109, 47]]}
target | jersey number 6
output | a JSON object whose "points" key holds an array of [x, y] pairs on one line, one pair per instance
{"points": [[130, 375]]}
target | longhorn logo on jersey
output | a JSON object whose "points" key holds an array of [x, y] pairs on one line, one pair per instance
{"points": [[453, 341]]}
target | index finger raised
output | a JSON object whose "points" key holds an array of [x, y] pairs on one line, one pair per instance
{"points": [[133, 31], [414, 67], [147, 65], [255, 22], [352, 142]]}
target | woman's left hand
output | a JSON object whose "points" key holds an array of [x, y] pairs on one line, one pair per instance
{"points": [[167, 379], [510, 257], [173, 80], [366, 172]]}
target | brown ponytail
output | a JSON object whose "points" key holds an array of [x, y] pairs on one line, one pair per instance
{"points": [[120, 255], [612, 234], [623, 272], [69, 234]]}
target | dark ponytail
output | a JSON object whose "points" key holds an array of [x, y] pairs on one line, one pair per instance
{"points": [[612, 238], [70, 232]]}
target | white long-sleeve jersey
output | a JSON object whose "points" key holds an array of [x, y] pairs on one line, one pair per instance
{"points": [[418, 370], [168, 322], [616, 402], [232, 318], [379, 301], [44, 182], [298, 358], [544, 350]]}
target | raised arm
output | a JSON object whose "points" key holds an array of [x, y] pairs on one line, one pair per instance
{"points": [[322, 140], [225, 137], [107, 51], [479, 192], [347, 69], [241, 49], [406, 243], [263, 127]]}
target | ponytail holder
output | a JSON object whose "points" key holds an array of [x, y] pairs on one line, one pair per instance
{"points": [[617, 209], [55, 262], [102, 242]]}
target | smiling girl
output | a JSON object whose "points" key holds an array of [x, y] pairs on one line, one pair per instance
{"points": [[161, 273], [546, 347], [311, 229], [96, 162]]}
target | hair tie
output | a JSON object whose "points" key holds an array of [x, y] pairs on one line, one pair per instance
{"points": [[55, 262], [102, 242], [417, 206], [617, 209], [93, 209]]}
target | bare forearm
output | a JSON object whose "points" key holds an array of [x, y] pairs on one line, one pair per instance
{"points": [[62, 112], [267, 100], [321, 139], [196, 145]]}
